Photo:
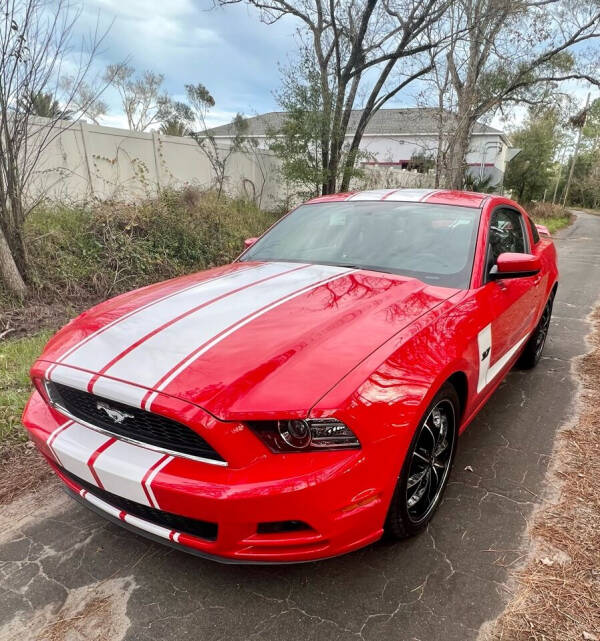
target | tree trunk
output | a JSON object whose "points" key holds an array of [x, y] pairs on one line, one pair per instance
{"points": [[457, 155], [351, 157], [9, 272]]}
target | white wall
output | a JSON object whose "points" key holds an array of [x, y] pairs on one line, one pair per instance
{"points": [[397, 148], [489, 148], [85, 161]]}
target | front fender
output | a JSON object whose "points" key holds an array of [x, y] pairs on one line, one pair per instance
{"points": [[384, 398]]}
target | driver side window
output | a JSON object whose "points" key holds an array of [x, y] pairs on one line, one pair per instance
{"points": [[506, 235]]}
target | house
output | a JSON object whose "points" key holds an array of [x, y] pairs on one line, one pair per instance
{"points": [[400, 137]]}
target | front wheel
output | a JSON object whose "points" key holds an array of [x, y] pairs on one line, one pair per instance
{"points": [[532, 352], [425, 471]]}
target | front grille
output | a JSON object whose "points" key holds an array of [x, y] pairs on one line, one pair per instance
{"points": [[139, 425], [183, 524]]}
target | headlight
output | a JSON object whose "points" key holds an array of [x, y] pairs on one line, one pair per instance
{"points": [[296, 435]]}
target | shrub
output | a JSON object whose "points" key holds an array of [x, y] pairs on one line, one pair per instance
{"points": [[554, 217], [546, 210], [99, 251]]}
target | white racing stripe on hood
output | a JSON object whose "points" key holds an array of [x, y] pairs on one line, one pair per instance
{"points": [[162, 384], [95, 353], [156, 357], [133, 312]]}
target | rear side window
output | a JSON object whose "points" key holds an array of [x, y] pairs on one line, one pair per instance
{"points": [[534, 231], [507, 234]]}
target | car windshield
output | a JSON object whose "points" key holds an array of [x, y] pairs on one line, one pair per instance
{"points": [[434, 243]]}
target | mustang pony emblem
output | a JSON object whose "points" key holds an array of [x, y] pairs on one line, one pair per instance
{"points": [[115, 415]]}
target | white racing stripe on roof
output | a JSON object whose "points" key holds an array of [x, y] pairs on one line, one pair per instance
{"points": [[396, 195], [418, 195], [371, 194], [157, 356], [102, 348]]}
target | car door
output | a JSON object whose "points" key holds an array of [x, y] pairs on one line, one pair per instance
{"points": [[510, 304]]}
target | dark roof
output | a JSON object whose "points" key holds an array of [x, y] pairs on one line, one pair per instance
{"points": [[414, 120]]}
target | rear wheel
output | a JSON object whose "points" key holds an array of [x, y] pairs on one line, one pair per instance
{"points": [[424, 475], [534, 347]]}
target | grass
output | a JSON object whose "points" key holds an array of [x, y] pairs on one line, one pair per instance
{"points": [[553, 224], [557, 589], [16, 357], [554, 217]]}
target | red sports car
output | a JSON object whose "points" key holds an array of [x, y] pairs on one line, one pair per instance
{"points": [[296, 404]]}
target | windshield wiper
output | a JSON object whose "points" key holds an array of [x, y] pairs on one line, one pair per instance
{"points": [[367, 267]]}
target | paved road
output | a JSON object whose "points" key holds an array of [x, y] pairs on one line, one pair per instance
{"points": [[64, 567]]}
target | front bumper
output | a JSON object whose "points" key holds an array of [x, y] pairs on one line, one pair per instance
{"points": [[343, 496]]}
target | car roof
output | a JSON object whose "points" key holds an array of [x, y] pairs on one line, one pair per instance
{"points": [[437, 196]]}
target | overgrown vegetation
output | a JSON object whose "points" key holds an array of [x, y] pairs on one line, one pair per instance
{"points": [[554, 217], [90, 253], [16, 357], [80, 255]]}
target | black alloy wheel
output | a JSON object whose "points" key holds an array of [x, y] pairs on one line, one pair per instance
{"points": [[427, 466], [430, 461], [532, 352]]}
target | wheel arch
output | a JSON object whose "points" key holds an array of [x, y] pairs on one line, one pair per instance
{"points": [[459, 381]]}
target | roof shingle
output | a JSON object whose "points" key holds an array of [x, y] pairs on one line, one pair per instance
{"points": [[414, 120]]}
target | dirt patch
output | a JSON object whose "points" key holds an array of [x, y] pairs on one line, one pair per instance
{"points": [[48, 500], [557, 592], [33, 317], [97, 611], [22, 470]]}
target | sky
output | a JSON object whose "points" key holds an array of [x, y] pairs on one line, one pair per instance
{"points": [[228, 49]]}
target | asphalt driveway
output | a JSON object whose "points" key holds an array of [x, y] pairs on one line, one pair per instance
{"points": [[65, 571]]}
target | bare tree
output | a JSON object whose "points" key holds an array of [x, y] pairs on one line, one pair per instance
{"points": [[511, 51], [200, 102], [36, 39], [86, 101], [358, 44], [142, 97]]}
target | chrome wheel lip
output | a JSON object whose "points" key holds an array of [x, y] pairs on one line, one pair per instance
{"points": [[438, 470]]}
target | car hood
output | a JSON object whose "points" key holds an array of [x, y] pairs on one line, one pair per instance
{"points": [[248, 339]]}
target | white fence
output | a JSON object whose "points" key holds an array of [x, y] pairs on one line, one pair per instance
{"points": [[87, 161]]}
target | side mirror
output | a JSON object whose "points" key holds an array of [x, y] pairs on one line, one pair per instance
{"points": [[249, 242], [511, 265]]}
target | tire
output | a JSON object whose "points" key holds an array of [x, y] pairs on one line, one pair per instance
{"points": [[408, 514], [532, 352]]}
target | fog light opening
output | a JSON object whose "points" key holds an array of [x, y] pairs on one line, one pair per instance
{"points": [[277, 527]]}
